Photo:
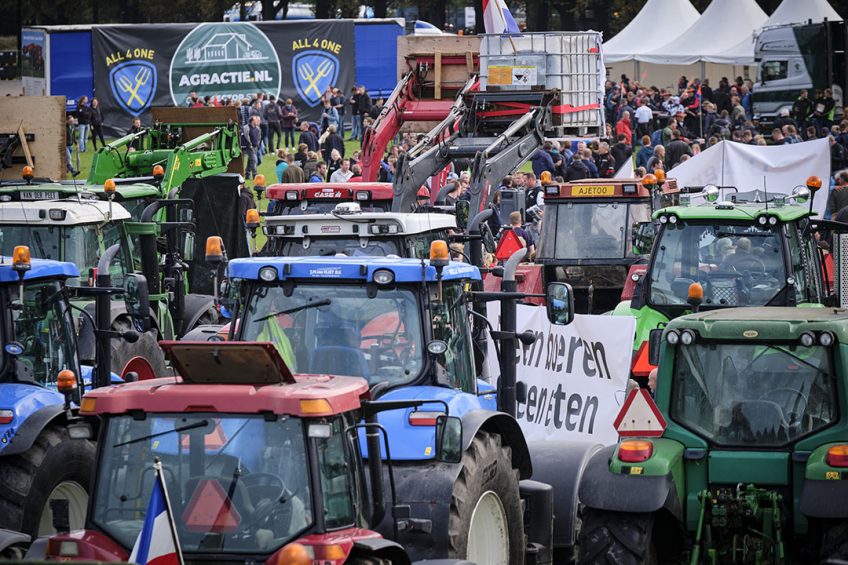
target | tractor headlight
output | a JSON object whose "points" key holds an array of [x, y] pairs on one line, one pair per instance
{"points": [[663, 219], [826, 339], [807, 339], [772, 220], [672, 337], [687, 337], [672, 219], [384, 276], [268, 274]]}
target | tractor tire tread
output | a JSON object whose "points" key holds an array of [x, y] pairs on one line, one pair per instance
{"points": [[615, 538]]}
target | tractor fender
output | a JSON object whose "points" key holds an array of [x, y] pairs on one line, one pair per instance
{"points": [[196, 305], [380, 548], [8, 538], [28, 431], [824, 499], [603, 490], [562, 464], [503, 425]]}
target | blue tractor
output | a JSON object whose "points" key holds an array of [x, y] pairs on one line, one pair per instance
{"points": [[405, 326], [42, 466]]}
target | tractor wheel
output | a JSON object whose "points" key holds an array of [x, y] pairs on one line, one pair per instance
{"points": [[147, 346], [615, 538], [55, 467], [834, 545], [486, 521], [208, 318]]}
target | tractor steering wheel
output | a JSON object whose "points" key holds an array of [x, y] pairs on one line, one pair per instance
{"points": [[792, 415], [271, 492]]}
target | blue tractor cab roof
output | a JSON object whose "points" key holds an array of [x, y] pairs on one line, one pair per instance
{"points": [[349, 268], [39, 269]]}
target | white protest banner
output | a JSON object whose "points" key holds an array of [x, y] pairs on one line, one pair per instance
{"points": [[575, 375]]}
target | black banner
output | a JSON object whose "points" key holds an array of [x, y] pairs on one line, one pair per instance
{"points": [[138, 67]]}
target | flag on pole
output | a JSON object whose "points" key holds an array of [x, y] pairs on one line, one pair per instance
{"points": [[157, 543], [497, 17]]}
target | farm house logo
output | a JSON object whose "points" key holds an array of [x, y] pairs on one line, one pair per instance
{"points": [[133, 78], [315, 67], [230, 59]]}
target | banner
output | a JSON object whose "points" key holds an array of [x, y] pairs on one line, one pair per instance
{"points": [[32, 62], [138, 67], [777, 168], [575, 375]]}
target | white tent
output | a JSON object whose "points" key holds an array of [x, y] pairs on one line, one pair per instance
{"points": [[724, 24], [658, 22], [789, 12]]}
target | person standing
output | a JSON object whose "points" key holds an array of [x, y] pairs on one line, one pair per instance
{"points": [[273, 115], [96, 123], [83, 122], [353, 101], [70, 138], [332, 141], [254, 141], [320, 173], [329, 117], [281, 164], [293, 173], [343, 174], [338, 102], [307, 137], [363, 107], [287, 121], [801, 109], [257, 112]]}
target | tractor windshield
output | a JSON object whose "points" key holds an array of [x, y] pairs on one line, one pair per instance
{"points": [[236, 484], [323, 247], [737, 264], [339, 330], [752, 394], [591, 230], [42, 325]]}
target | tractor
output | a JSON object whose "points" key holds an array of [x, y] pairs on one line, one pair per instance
{"points": [[322, 198], [749, 249], [259, 464], [41, 377], [752, 466], [404, 325]]}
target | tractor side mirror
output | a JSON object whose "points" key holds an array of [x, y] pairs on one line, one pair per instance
{"points": [[188, 246], [462, 210], [654, 344], [559, 298], [137, 300], [488, 239], [448, 439]]}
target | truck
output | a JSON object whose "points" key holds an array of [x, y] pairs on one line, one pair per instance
{"points": [[268, 467], [750, 249], [593, 231], [793, 57], [40, 383], [404, 325], [751, 465]]}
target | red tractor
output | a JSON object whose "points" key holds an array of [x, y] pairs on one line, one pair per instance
{"points": [[259, 465], [322, 197]]}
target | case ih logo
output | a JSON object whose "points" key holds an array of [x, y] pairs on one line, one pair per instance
{"points": [[224, 60]]}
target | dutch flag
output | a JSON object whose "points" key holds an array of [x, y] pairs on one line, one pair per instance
{"points": [[157, 543], [497, 17]]}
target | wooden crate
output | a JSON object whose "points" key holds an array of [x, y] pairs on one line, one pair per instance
{"points": [[43, 118], [451, 60]]}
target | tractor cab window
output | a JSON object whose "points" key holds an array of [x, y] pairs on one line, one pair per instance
{"points": [[336, 486], [113, 233], [339, 330], [79, 244], [752, 394], [42, 324], [237, 484], [328, 247], [591, 230], [419, 244], [451, 325], [737, 264]]}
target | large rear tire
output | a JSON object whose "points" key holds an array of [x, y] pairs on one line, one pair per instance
{"points": [[615, 538], [56, 466], [486, 522], [147, 346], [834, 544]]}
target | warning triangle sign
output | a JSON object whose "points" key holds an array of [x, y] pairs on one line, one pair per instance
{"points": [[210, 509], [639, 417], [508, 245]]}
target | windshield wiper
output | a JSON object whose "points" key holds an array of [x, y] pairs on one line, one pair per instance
{"points": [[199, 424], [36, 237], [325, 302]]}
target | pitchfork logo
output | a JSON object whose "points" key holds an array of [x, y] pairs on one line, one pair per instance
{"points": [[134, 85], [313, 72]]}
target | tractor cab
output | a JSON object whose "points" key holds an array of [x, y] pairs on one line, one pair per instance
{"points": [[322, 197], [252, 459], [751, 460], [349, 230], [594, 230]]}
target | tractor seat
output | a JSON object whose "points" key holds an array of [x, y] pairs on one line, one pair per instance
{"points": [[339, 360], [760, 420]]}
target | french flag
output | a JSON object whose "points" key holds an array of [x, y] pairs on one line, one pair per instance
{"points": [[497, 17], [157, 543]]}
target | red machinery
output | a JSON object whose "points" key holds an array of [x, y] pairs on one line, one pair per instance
{"points": [[322, 197]]}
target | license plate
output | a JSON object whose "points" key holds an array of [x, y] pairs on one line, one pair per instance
{"points": [[594, 190], [39, 195]]}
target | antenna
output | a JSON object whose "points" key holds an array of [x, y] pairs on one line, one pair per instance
{"points": [[766, 191]]}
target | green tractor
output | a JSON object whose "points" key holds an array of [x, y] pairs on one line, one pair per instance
{"points": [[752, 466], [752, 249]]}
